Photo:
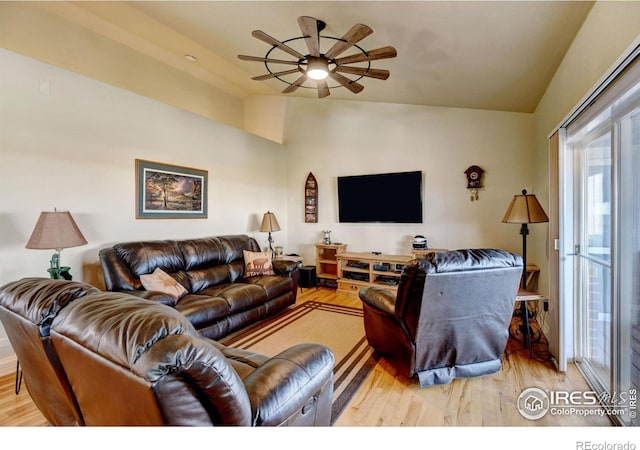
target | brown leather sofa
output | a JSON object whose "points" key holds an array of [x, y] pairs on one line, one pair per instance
{"points": [[132, 361], [219, 299], [450, 318]]}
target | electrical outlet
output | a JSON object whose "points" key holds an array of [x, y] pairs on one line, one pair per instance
{"points": [[545, 305]]}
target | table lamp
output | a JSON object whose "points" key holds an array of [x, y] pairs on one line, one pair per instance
{"points": [[54, 231], [524, 209], [269, 225]]}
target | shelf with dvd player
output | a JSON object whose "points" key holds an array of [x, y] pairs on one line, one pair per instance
{"points": [[357, 270]]}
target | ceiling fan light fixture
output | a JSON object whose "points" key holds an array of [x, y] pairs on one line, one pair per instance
{"points": [[317, 68]]}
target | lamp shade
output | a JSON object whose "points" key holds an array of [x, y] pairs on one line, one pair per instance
{"points": [[269, 223], [525, 208], [55, 230]]}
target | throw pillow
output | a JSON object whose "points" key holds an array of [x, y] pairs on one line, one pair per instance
{"points": [[257, 263], [161, 281]]}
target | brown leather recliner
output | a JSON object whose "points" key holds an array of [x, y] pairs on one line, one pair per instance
{"points": [[131, 361], [450, 318], [27, 308]]}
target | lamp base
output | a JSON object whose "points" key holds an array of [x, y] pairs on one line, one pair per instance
{"points": [[55, 271], [60, 273]]}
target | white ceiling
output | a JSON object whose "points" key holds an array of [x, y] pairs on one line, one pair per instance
{"points": [[488, 55]]}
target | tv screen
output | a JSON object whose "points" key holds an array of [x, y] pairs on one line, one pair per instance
{"points": [[386, 197]]}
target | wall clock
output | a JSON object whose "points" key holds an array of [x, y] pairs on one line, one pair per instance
{"points": [[474, 180]]}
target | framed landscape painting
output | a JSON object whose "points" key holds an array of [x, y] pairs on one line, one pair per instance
{"points": [[164, 191]]}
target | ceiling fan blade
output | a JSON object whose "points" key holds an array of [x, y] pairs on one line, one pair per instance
{"points": [[323, 89], [275, 74], [309, 27], [295, 85], [267, 60], [276, 43], [346, 82], [355, 34], [380, 74], [372, 55]]}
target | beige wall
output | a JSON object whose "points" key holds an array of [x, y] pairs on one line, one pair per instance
{"points": [[606, 36], [333, 139], [55, 32], [70, 142]]}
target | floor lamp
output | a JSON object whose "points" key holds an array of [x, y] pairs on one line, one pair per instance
{"points": [[525, 209]]}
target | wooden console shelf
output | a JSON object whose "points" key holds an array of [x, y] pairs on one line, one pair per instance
{"points": [[327, 263], [357, 270]]}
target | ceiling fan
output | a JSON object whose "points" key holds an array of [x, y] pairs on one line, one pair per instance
{"points": [[316, 66]]}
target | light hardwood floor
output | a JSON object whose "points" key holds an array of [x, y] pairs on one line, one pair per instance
{"points": [[388, 400]]}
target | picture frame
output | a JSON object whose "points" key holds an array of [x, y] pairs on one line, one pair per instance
{"points": [[165, 191]]}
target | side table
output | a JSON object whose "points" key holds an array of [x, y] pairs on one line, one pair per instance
{"points": [[525, 296], [307, 277]]}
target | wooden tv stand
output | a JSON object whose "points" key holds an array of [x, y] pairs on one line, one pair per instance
{"points": [[357, 270]]}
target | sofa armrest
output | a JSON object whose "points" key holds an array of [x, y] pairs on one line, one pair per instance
{"points": [[379, 298], [284, 266], [288, 382]]}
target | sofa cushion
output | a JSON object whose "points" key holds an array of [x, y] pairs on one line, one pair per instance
{"points": [[144, 257], [161, 281], [273, 285], [257, 263], [239, 296], [202, 310], [235, 244], [202, 253], [203, 278]]}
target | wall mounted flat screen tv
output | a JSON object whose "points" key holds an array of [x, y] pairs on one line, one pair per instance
{"points": [[386, 197]]}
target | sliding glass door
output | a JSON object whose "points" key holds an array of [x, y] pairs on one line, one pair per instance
{"points": [[604, 147], [593, 279]]}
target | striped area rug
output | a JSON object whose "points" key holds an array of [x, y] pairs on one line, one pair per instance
{"points": [[340, 328]]}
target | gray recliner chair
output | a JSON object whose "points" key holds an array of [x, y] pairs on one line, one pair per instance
{"points": [[450, 318]]}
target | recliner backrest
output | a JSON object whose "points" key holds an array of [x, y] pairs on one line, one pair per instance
{"points": [[27, 308], [459, 301], [135, 362]]}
